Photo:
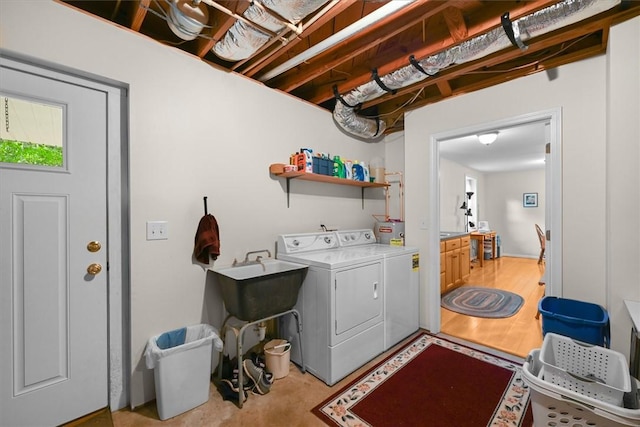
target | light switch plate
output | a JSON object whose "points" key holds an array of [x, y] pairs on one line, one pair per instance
{"points": [[423, 223], [157, 230]]}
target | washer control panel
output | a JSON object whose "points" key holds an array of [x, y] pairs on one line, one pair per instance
{"points": [[307, 242]]}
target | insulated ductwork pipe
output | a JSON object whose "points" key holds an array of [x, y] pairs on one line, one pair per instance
{"points": [[243, 39], [536, 24]]}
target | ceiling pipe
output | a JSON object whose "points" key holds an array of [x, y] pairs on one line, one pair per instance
{"points": [[370, 19], [545, 20], [261, 22], [327, 7], [239, 17]]}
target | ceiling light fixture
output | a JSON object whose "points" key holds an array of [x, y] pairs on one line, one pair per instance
{"points": [[488, 138]]}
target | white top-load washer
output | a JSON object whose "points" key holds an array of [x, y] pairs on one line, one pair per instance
{"points": [[401, 272], [341, 303]]}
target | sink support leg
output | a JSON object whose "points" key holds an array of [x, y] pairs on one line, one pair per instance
{"points": [[239, 334], [299, 328]]}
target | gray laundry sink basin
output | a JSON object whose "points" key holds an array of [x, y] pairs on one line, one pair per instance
{"points": [[256, 291]]}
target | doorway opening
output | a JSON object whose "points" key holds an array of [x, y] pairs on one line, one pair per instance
{"points": [[551, 120]]}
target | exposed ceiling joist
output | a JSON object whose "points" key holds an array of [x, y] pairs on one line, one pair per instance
{"points": [[421, 28]]}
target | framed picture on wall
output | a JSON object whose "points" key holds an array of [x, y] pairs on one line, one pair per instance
{"points": [[530, 200]]}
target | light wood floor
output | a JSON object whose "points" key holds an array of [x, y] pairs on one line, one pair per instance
{"points": [[515, 335]]}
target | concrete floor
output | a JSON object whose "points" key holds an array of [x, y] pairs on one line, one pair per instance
{"points": [[289, 402]]}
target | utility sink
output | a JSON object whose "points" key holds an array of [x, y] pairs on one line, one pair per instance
{"points": [[257, 291]]}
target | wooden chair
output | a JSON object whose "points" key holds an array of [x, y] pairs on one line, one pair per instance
{"points": [[541, 238]]}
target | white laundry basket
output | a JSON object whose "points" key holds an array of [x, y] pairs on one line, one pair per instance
{"points": [[182, 372], [553, 405], [587, 369]]}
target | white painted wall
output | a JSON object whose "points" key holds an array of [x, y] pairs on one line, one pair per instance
{"points": [[600, 101], [623, 175], [506, 215], [194, 131], [452, 195], [499, 197], [394, 164]]}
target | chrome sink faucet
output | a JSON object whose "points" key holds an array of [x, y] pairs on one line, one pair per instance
{"points": [[246, 258], [246, 261]]}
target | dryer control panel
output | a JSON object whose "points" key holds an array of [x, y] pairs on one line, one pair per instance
{"points": [[350, 238]]}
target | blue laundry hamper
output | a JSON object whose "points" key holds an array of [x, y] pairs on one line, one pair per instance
{"points": [[575, 319]]}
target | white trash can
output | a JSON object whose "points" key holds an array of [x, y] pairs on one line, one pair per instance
{"points": [[181, 360]]}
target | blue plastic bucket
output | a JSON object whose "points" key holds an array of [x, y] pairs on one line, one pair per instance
{"points": [[575, 319]]}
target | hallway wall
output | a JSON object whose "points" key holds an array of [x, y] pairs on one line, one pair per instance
{"points": [[599, 161]]}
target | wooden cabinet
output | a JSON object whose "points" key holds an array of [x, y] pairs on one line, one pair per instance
{"points": [[442, 268], [452, 269], [465, 258], [455, 263]]}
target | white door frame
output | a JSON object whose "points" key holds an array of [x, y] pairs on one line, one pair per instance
{"points": [[553, 200], [117, 214]]}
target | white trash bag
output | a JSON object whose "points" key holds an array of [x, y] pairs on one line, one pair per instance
{"points": [[179, 340]]}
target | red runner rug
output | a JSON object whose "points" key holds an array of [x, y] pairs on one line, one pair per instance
{"points": [[433, 382]]}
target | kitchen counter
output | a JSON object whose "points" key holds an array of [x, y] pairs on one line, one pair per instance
{"points": [[633, 307], [446, 235]]}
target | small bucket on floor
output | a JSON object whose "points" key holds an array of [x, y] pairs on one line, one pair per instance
{"points": [[277, 354]]}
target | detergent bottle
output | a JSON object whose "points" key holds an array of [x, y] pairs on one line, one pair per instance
{"points": [[358, 172], [308, 159], [338, 167], [348, 169], [365, 172]]}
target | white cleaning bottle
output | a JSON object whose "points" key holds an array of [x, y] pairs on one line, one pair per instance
{"points": [[365, 172]]}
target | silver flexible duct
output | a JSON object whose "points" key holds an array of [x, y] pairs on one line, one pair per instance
{"points": [[242, 40], [536, 24]]}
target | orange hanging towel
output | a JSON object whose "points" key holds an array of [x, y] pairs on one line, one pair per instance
{"points": [[207, 241]]}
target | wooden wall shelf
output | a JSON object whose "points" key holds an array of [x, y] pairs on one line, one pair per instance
{"points": [[277, 169]]}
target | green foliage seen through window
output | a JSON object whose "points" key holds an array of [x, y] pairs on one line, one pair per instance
{"points": [[30, 153]]}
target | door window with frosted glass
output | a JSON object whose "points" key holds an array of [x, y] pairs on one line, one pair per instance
{"points": [[31, 133]]}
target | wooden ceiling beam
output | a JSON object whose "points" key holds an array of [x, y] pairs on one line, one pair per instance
{"points": [[220, 23], [489, 22], [445, 88], [499, 78], [357, 45], [455, 22], [269, 57], [139, 12], [543, 42]]}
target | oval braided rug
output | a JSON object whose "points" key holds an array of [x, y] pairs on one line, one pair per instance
{"points": [[482, 302]]}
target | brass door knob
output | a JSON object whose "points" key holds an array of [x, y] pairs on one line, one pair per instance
{"points": [[94, 269], [94, 246]]}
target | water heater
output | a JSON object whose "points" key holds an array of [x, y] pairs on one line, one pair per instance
{"points": [[389, 232]]}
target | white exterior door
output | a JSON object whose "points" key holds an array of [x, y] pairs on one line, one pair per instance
{"points": [[53, 279]]}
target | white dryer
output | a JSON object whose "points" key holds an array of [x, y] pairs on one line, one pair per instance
{"points": [[401, 272], [341, 303]]}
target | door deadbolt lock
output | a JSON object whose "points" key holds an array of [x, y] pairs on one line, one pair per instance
{"points": [[94, 246], [94, 269]]}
